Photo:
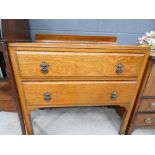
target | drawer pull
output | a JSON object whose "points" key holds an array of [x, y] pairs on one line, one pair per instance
{"points": [[44, 67], [47, 96], [148, 120], [119, 68], [152, 105], [114, 95]]}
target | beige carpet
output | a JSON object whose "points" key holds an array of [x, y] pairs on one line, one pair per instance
{"points": [[65, 121]]}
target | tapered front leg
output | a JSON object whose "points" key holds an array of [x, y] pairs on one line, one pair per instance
{"points": [[124, 123], [28, 123]]}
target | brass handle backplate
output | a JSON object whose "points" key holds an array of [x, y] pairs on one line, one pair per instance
{"points": [[47, 96], [119, 68], [44, 67], [114, 95]]}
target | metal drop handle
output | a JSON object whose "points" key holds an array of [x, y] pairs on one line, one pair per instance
{"points": [[47, 96], [119, 68], [44, 67], [114, 95]]}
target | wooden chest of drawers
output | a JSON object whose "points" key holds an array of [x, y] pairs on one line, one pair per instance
{"points": [[62, 74], [143, 115]]}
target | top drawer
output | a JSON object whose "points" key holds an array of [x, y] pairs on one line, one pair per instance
{"points": [[79, 65]]}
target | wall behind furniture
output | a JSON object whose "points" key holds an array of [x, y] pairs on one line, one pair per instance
{"points": [[127, 30]]}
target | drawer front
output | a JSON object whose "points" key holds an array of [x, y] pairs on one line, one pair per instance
{"points": [[150, 86], [78, 93], [145, 120], [147, 105], [71, 65]]}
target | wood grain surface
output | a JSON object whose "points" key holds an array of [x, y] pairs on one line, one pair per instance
{"points": [[79, 65], [77, 60], [78, 93], [146, 105]]}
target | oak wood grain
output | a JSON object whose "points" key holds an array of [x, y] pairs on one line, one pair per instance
{"points": [[25, 111], [81, 93], [76, 46], [78, 93], [70, 38], [79, 65]]}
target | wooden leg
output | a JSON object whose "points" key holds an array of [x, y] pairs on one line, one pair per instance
{"points": [[22, 124], [120, 111], [28, 124], [124, 123], [129, 131]]}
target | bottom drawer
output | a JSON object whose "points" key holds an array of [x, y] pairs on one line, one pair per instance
{"points": [[78, 93], [145, 120]]}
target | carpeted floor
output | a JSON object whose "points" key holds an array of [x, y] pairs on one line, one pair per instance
{"points": [[65, 121]]}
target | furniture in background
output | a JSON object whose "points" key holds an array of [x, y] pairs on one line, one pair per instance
{"points": [[11, 30], [77, 38], [143, 115], [77, 73]]}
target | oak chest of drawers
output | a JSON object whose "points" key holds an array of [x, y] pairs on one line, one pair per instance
{"points": [[65, 74], [143, 115]]}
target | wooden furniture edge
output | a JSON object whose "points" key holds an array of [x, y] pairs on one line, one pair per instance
{"points": [[27, 110], [131, 126], [71, 38], [127, 114], [20, 90], [77, 45]]}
